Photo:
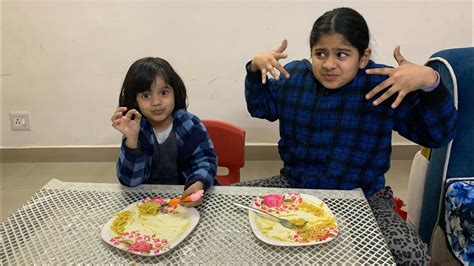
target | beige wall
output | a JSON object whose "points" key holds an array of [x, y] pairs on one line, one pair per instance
{"points": [[64, 61], [1, 76]]}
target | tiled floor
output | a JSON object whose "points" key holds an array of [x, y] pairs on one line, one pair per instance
{"points": [[19, 181]]}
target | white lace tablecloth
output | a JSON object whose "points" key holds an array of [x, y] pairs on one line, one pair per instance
{"points": [[61, 225]]}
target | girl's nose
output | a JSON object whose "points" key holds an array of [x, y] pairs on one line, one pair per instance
{"points": [[155, 100], [329, 63]]}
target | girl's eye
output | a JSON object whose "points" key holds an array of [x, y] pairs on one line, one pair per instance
{"points": [[164, 92], [342, 55], [319, 54], [145, 95]]}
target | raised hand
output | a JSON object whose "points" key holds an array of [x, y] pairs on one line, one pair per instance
{"points": [[405, 78], [268, 61], [127, 126]]}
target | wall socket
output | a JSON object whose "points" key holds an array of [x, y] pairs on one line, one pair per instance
{"points": [[20, 121]]}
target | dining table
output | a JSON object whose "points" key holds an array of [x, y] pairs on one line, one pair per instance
{"points": [[62, 223]]}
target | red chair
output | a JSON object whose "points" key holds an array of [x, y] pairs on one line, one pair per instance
{"points": [[229, 144]]}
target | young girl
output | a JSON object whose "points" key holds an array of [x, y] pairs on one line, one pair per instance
{"points": [[337, 113], [162, 142]]}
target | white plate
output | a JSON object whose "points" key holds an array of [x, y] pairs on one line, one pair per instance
{"points": [[107, 234], [260, 235]]}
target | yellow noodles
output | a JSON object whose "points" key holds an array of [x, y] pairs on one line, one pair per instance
{"points": [[120, 221], [297, 222], [314, 208], [317, 229], [148, 208]]}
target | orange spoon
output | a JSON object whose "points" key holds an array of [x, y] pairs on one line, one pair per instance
{"points": [[193, 197]]}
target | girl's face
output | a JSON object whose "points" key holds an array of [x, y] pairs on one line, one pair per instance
{"points": [[157, 104], [335, 61]]}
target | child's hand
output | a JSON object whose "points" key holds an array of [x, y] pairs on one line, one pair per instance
{"points": [[198, 185], [268, 61], [404, 79], [128, 127]]}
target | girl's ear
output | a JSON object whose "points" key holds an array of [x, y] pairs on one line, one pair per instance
{"points": [[364, 59]]}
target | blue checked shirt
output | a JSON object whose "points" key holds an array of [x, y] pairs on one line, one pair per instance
{"points": [[336, 139], [197, 160]]}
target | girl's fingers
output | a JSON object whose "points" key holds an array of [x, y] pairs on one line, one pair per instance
{"points": [[385, 96], [399, 99], [116, 116], [138, 116], [116, 122], [264, 76], [282, 46], [282, 70], [399, 57], [380, 71], [118, 113], [274, 74], [279, 56], [385, 84], [131, 113]]}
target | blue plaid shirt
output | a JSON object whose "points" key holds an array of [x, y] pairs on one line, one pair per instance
{"points": [[336, 139], [197, 160]]}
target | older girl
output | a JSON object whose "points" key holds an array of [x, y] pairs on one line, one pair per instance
{"points": [[337, 113]]}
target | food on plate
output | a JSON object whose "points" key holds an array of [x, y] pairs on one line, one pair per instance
{"points": [[148, 226], [313, 219]]}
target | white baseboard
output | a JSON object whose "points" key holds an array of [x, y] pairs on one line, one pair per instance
{"points": [[253, 152]]}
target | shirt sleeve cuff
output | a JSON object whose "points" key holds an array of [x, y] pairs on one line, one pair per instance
{"points": [[432, 86], [136, 152], [253, 77]]}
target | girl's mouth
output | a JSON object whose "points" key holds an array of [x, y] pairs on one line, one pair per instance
{"points": [[157, 112], [330, 77]]}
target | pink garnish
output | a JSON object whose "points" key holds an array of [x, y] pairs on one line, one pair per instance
{"points": [[197, 195], [273, 200], [159, 200], [140, 247]]}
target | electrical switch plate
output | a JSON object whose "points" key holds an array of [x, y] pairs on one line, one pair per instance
{"points": [[20, 120]]}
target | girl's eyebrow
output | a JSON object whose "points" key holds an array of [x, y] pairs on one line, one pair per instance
{"points": [[343, 49], [340, 49]]}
